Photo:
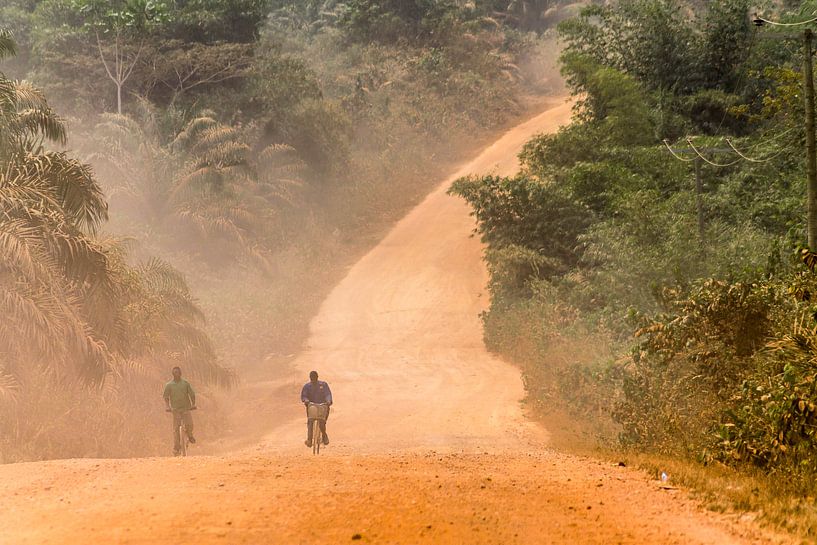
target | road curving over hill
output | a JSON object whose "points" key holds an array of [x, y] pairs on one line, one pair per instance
{"points": [[429, 442]]}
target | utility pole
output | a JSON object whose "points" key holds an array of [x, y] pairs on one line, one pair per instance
{"points": [[699, 199], [811, 158], [808, 97], [699, 183]]}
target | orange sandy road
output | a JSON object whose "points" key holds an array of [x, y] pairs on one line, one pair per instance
{"points": [[429, 444], [536, 498]]}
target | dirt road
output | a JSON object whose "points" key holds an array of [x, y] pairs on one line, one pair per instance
{"points": [[429, 444]]}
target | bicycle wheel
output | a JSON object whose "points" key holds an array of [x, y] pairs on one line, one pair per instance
{"points": [[317, 438]]}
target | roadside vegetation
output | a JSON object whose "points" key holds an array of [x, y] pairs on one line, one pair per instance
{"points": [[79, 320], [679, 324], [183, 182]]}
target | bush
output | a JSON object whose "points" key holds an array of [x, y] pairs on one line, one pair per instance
{"points": [[683, 373], [532, 228]]}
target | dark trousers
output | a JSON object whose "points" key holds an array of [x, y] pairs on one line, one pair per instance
{"points": [[321, 423]]}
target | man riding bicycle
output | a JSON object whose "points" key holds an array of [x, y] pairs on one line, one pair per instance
{"points": [[180, 399], [316, 391]]}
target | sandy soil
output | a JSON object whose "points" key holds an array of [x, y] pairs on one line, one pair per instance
{"points": [[429, 443]]}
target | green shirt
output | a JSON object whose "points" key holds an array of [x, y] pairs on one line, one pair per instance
{"points": [[180, 394]]}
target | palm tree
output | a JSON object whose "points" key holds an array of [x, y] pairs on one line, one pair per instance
{"points": [[136, 169], [7, 46], [67, 297], [51, 206], [207, 183], [169, 324]]}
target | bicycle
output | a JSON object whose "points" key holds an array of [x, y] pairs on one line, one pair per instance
{"points": [[184, 439], [317, 412]]}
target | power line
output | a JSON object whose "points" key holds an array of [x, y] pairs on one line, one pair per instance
{"points": [[750, 159], [676, 155], [773, 138], [704, 159], [760, 21], [699, 184]]}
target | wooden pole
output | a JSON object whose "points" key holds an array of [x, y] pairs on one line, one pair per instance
{"points": [[811, 157], [699, 199]]}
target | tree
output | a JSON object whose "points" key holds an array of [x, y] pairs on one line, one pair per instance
{"points": [[529, 222], [16, 16], [204, 185], [8, 47], [149, 48], [725, 43], [120, 30], [181, 68], [392, 20], [647, 39], [51, 205], [613, 100], [67, 296], [214, 21]]}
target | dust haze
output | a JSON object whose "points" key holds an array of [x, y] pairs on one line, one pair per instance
{"points": [[255, 193], [239, 223]]}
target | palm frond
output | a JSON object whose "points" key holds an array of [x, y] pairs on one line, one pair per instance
{"points": [[35, 319], [22, 251], [189, 135], [73, 183], [8, 47], [225, 154], [160, 276], [214, 136], [194, 183], [121, 128], [32, 114], [43, 122], [209, 222]]}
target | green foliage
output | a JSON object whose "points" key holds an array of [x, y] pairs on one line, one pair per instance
{"points": [[551, 154], [614, 101], [393, 20], [155, 49], [659, 44], [723, 362], [531, 227], [644, 38], [320, 131], [131, 16], [682, 374], [278, 83], [213, 21], [725, 43]]}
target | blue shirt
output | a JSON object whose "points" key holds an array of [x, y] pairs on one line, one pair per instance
{"points": [[317, 393]]}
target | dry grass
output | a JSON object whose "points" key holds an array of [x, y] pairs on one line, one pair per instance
{"points": [[558, 357], [770, 498]]}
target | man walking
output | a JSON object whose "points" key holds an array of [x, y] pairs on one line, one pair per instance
{"points": [[180, 399], [316, 391]]}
